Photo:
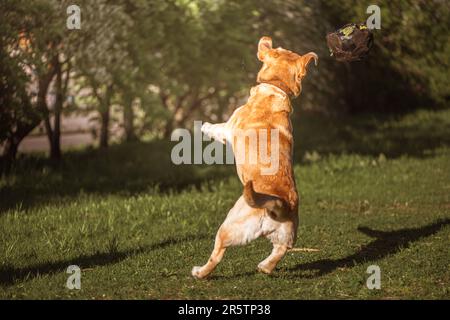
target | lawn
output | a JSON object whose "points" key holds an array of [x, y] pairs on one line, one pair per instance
{"points": [[373, 192]]}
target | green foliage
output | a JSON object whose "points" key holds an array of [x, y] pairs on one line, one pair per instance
{"points": [[16, 107], [183, 60]]}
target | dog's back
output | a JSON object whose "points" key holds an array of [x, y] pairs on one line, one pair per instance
{"points": [[267, 111]]}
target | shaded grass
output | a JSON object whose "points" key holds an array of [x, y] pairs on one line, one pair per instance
{"points": [[415, 135], [103, 211]]}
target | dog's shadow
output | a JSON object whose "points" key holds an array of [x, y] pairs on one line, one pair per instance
{"points": [[384, 244]]}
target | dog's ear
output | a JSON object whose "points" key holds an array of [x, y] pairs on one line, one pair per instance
{"points": [[304, 61], [307, 58], [264, 46]]}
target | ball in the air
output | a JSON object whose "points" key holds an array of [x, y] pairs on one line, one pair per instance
{"points": [[352, 42]]}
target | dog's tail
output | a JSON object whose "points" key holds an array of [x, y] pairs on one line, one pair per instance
{"points": [[276, 206]]}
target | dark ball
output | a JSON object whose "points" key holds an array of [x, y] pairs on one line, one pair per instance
{"points": [[352, 42]]}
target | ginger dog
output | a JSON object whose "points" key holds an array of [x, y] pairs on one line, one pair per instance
{"points": [[269, 204]]}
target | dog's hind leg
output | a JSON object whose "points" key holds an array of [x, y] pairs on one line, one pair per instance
{"points": [[242, 225], [268, 264], [283, 239]]}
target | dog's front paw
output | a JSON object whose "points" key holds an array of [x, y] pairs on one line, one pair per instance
{"points": [[206, 127], [196, 272]]}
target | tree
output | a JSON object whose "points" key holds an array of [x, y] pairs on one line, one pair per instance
{"points": [[191, 71], [28, 67], [102, 57], [163, 63]]}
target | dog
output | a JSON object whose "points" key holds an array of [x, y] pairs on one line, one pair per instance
{"points": [[269, 204]]}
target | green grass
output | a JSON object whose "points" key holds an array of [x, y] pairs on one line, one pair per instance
{"points": [[373, 192]]}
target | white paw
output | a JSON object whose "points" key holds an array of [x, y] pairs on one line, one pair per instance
{"points": [[196, 272], [264, 269], [206, 127]]}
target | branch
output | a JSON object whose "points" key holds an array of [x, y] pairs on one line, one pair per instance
{"points": [[66, 80], [195, 105], [164, 98]]}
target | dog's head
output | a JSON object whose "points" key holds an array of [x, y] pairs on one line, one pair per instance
{"points": [[282, 67]]}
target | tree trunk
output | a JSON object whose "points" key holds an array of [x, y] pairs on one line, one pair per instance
{"points": [[105, 119], [104, 125], [55, 144], [168, 129], [54, 133], [128, 119], [9, 154]]}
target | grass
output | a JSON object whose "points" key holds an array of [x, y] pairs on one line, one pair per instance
{"points": [[373, 192]]}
